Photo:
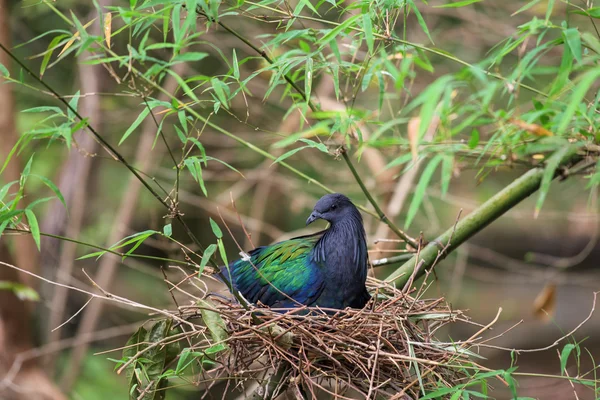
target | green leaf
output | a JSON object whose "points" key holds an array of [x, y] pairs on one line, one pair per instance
{"points": [[551, 166], [338, 29], [447, 167], [186, 358], [73, 105], [194, 166], [222, 251], [168, 230], [42, 109], [22, 292], [146, 372], [215, 228], [308, 78], [213, 321], [137, 239], [236, 66], [208, 253], [457, 395], [189, 56], [474, 140], [564, 357], [438, 394], [4, 71], [26, 172], [52, 187], [48, 54], [420, 19], [11, 153], [431, 97], [368, 29], [526, 7], [421, 188], [591, 41], [219, 89], [335, 72], [458, 4], [135, 124], [573, 40], [4, 191], [512, 384], [288, 154], [33, 227], [549, 9], [184, 86], [585, 83], [315, 145]]}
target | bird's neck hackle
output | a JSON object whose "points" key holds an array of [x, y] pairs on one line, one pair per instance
{"points": [[345, 240]]}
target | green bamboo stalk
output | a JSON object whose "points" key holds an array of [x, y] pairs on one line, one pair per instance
{"points": [[485, 214]]}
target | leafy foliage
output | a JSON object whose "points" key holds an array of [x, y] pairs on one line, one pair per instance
{"points": [[515, 107]]}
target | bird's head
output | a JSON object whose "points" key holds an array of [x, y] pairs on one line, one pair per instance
{"points": [[332, 208]]}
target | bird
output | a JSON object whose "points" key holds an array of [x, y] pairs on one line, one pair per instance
{"points": [[327, 269]]}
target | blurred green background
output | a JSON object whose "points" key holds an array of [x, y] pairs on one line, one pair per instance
{"points": [[516, 264]]}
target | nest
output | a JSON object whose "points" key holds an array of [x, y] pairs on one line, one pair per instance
{"points": [[386, 350]]}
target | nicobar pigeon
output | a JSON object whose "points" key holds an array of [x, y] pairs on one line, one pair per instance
{"points": [[327, 269]]}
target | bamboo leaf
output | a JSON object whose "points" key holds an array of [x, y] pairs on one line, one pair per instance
{"points": [[33, 227], [421, 188], [573, 40], [368, 29], [219, 91], [447, 167], [236, 67], [26, 172], [214, 322], [474, 140], [22, 292], [222, 251], [215, 228], [48, 54], [4, 71], [208, 253], [308, 78], [564, 357], [288, 154], [333, 33], [458, 4], [190, 56], [184, 86], [586, 81], [549, 172], [420, 19], [549, 9], [525, 7], [135, 124]]}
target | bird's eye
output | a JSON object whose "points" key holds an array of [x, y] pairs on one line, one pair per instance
{"points": [[333, 207]]}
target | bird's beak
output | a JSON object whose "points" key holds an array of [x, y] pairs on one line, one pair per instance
{"points": [[313, 217]]}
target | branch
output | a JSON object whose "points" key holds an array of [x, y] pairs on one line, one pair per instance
{"points": [[273, 385], [488, 212]]}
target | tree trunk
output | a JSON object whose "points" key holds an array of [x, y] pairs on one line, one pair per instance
{"points": [[20, 378]]}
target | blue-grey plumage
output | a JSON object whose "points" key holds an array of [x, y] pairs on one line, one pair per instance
{"points": [[326, 269]]}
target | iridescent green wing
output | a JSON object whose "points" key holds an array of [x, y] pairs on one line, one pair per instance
{"points": [[280, 275]]}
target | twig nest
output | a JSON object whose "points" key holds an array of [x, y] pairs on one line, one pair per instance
{"points": [[388, 349]]}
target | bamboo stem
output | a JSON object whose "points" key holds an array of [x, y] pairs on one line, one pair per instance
{"points": [[464, 229]]}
